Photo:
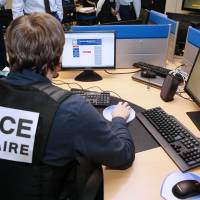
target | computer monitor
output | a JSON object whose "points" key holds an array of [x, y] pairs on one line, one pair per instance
{"points": [[185, 20], [191, 5], [89, 51], [192, 88]]}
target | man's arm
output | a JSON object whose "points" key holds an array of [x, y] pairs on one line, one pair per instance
{"points": [[59, 9], [111, 146], [17, 8]]}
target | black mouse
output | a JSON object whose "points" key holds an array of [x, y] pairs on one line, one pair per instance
{"points": [[185, 189], [148, 74]]}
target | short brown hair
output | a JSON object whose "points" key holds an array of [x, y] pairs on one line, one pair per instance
{"points": [[34, 42]]}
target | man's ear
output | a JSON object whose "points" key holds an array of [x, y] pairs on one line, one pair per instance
{"points": [[57, 69]]}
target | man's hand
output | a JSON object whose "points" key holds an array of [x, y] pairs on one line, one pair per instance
{"points": [[122, 109]]}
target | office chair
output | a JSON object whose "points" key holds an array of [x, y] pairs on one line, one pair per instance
{"points": [[84, 181], [90, 180]]}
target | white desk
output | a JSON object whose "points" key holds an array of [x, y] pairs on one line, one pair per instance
{"points": [[144, 179]]}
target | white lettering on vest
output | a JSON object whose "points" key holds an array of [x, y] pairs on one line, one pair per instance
{"points": [[17, 134]]}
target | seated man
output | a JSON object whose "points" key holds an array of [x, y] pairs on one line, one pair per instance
{"points": [[44, 129]]}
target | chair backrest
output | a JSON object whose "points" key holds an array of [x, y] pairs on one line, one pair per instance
{"points": [[144, 16]]}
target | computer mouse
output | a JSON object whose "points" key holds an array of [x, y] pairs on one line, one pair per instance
{"points": [[185, 189], [107, 113], [148, 74]]}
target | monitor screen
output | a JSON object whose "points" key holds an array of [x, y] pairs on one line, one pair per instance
{"points": [[191, 5], [193, 90], [193, 86], [88, 51]]}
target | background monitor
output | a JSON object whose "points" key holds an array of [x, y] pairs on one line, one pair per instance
{"points": [[185, 20], [89, 51], [193, 90], [191, 5]]}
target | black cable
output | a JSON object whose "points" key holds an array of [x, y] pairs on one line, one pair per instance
{"points": [[63, 83], [186, 98], [121, 72], [110, 91], [180, 66], [94, 87], [73, 83], [113, 93]]}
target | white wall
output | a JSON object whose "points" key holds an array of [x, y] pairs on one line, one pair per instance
{"points": [[174, 6]]}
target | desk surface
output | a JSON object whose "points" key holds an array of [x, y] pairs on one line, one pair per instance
{"points": [[144, 179]]}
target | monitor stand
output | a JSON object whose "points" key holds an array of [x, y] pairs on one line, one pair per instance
{"points": [[195, 117], [88, 76]]}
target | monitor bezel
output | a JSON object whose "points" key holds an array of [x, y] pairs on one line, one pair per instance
{"points": [[189, 9], [186, 89], [70, 68]]}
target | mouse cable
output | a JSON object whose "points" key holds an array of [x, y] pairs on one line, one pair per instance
{"points": [[61, 82], [110, 91], [121, 72]]}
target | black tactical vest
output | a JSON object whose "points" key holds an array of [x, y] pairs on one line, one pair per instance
{"points": [[35, 181]]}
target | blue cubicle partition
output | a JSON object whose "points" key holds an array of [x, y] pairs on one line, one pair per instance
{"points": [[193, 36], [129, 31], [154, 16], [147, 43], [192, 47], [159, 18]]}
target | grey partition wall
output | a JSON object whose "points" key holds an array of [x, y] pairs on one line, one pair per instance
{"points": [[159, 18], [149, 50]]}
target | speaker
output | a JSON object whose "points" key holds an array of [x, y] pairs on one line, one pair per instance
{"points": [[169, 87]]}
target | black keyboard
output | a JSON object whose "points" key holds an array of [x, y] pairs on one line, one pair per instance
{"points": [[175, 139], [160, 71], [95, 98]]}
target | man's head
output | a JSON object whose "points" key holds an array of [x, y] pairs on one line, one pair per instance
{"points": [[35, 42]]}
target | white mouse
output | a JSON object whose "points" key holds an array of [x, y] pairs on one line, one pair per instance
{"points": [[107, 113]]}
